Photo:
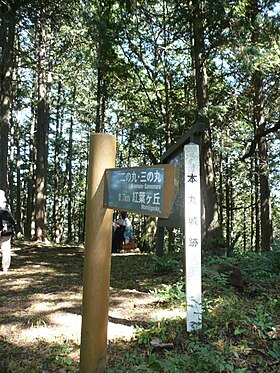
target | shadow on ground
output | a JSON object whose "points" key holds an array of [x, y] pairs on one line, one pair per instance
{"points": [[41, 302]]}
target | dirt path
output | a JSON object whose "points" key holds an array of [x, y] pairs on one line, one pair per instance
{"points": [[41, 296]]}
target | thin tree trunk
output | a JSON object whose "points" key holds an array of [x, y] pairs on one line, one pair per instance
{"points": [[29, 222], [259, 125], [167, 83], [233, 239], [266, 223], [56, 215], [11, 165], [98, 126], [69, 171], [228, 204], [257, 209], [262, 177], [17, 150], [7, 35], [42, 137], [252, 205], [19, 216], [101, 91], [221, 189]]}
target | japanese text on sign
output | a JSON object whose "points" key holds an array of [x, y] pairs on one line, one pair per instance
{"points": [[193, 236], [138, 189]]}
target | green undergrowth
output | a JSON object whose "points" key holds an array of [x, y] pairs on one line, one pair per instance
{"points": [[240, 329], [42, 357]]}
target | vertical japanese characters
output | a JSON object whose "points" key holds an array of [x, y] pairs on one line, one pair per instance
{"points": [[193, 236]]}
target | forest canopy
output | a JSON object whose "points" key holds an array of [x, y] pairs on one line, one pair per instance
{"points": [[145, 72]]}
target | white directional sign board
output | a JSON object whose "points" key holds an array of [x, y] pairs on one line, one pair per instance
{"points": [[193, 236]]}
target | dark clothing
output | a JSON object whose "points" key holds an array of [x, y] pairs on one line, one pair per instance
{"points": [[118, 239], [7, 221]]}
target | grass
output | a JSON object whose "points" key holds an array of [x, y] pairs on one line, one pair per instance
{"points": [[240, 332]]}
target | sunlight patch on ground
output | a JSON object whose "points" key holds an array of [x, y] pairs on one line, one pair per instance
{"points": [[116, 331], [32, 269], [127, 303], [68, 325], [55, 301], [19, 284], [125, 294], [168, 314], [64, 324]]}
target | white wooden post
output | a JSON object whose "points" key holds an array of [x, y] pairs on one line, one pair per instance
{"points": [[193, 236]]}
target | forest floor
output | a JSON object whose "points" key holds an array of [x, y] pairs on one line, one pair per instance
{"points": [[40, 318]]}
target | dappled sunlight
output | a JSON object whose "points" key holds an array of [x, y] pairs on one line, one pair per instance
{"points": [[136, 252], [46, 283], [131, 305], [19, 284], [120, 331], [41, 306], [68, 325], [169, 314], [55, 302]]}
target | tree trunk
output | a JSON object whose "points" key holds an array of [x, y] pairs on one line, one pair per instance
{"points": [[227, 203], [257, 209], [259, 126], [102, 66], [98, 122], [12, 143], [7, 35], [42, 137], [266, 223], [211, 229], [29, 222], [69, 170], [167, 82], [57, 168], [262, 176], [244, 229], [221, 188], [252, 186]]}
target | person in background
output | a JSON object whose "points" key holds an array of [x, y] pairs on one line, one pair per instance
{"points": [[127, 234], [7, 223], [122, 231], [118, 226]]}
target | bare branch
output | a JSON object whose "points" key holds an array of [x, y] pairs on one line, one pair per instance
{"points": [[257, 137]]}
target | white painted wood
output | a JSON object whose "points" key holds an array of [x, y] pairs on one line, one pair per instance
{"points": [[193, 236]]}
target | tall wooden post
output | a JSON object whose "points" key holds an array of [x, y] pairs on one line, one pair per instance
{"points": [[97, 264]]}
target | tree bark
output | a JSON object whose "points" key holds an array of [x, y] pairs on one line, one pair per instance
{"points": [[7, 35], [211, 229], [259, 126], [42, 136], [266, 222], [69, 171], [102, 66], [57, 168], [29, 229]]}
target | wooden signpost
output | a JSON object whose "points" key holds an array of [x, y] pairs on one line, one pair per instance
{"points": [[97, 263], [148, 190]]}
